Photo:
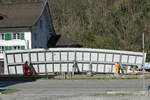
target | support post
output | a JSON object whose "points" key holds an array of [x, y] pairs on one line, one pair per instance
{"points": [[89, 73], [6, 67], [73, 68], [90, 67], [143, 63]]}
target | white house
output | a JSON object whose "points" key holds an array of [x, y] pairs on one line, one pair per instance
{"points": [[25, 26]]}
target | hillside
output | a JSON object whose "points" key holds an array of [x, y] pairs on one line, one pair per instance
{"points": [[109, 24]]}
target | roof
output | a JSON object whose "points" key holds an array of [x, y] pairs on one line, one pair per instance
{"points": [[20, 14], [64, 41]]}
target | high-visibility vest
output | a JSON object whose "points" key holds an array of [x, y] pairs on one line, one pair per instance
{"points": [[117, 67]]}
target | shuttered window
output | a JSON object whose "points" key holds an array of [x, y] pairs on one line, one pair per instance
{"points": [[22, 47], [15, 35], [8, 48], [22, 35], [8, 36]]}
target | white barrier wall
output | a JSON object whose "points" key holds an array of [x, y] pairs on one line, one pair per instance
{"points": [[62, 59]]}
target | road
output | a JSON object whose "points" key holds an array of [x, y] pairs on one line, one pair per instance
{"points": [[73, 89]]}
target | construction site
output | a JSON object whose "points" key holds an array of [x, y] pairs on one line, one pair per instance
{"points": [[74, 73], [74, 60], [51, 50]]}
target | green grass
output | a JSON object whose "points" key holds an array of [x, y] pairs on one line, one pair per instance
{"points": [[8, 91], [3, 91]]}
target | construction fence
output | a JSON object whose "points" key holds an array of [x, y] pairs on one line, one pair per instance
{"points": [[63, 60]]}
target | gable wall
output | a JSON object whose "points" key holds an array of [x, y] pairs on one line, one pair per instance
{"points": [[42, 31]]}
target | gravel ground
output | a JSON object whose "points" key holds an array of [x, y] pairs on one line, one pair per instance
{"points": [[50, 97], [76, 90]]}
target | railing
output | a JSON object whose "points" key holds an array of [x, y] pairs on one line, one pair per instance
{"points": [[63, 59]]}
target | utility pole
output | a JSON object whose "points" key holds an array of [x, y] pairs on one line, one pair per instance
{"points": [[143, 63]]}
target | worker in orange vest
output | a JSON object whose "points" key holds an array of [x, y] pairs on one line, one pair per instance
{"points": [[26, 68], [117, 67]]}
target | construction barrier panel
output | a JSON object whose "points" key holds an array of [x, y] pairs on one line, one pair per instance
{"points": [[62, 60]]}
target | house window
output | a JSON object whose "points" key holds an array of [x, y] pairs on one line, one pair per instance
{"points": [[1, 36], [16, 47], [10, 36], [18, 35], [2, 48], [14, 35]]}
